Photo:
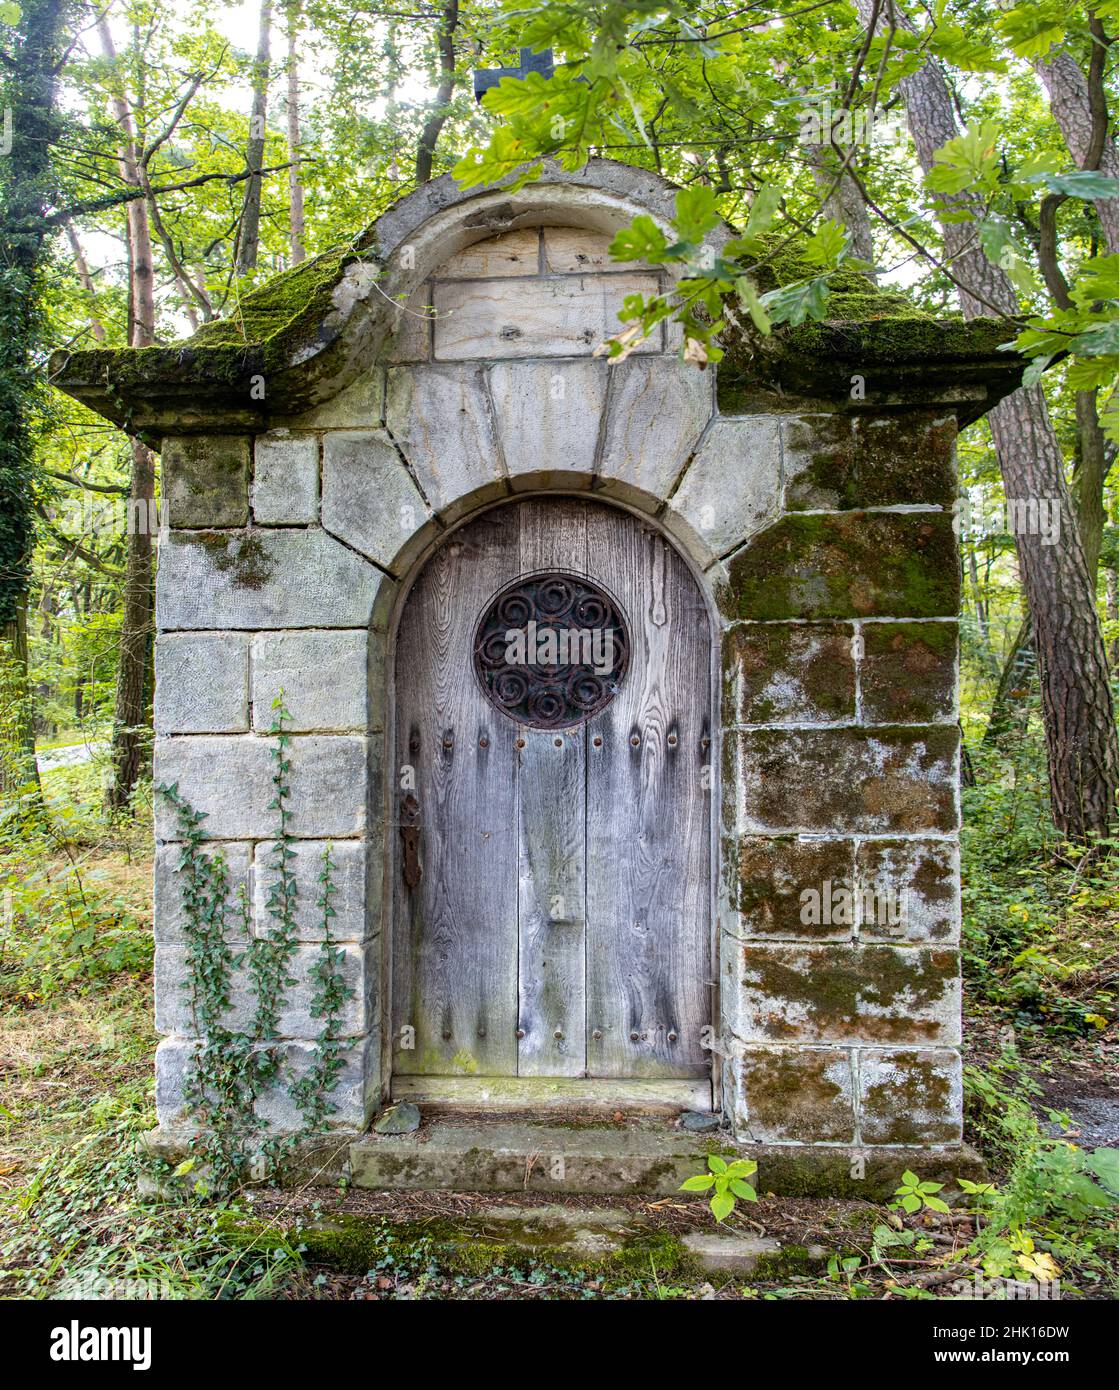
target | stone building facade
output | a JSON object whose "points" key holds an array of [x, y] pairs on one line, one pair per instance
{"points": [[315, 462]]}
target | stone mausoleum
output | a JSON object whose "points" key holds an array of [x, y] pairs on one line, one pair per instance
{"points": [[720, 875]]}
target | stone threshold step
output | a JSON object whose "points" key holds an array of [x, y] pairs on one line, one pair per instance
{"points": [[643, 1156]]}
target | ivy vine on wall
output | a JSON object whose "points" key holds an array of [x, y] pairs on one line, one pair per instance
{"points": [[232, 1069]]}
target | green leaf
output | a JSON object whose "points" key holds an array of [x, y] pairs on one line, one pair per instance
{"points": [[642, 240], [970, 160], [743, 1190], [1100, 340], [700, 1183], [10, 12], [910, 1179], [695, 212], [1105, 1164], [1088, 184], [826, 246], [751, 301], [766, 204], [910, 1203], [716, 1164], [722, 1204], [935, 1204]]}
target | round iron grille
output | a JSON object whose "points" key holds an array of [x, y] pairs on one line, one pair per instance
{"points": [[551, 650]]}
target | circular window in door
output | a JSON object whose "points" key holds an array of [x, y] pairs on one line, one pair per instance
{"points": [[551, 650]]}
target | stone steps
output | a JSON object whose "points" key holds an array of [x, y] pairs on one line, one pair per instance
{"points": [[644, 1156]]}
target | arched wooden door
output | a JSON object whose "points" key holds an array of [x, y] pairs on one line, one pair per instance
{"points": [[552, 863]]}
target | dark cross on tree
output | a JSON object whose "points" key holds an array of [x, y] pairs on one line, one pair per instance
{"points": [[530, 62]]}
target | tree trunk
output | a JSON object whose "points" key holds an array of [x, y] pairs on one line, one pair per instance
{"points": [[425, 154], [131, 730], [295, 176], [26, 191], [248, 237], [1071, 101], [1113, 612], [1076, 700], [844, 202]]}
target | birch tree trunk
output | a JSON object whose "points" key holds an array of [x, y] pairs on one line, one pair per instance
{"points": [[248, 239], [1076, 700], [131, 723], [425, 154], [295, 174]]}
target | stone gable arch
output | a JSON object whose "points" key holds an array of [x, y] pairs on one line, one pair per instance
{"points": [[314, 465]]}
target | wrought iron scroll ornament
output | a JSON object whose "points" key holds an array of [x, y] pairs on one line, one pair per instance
{"points": [[551, 650]]}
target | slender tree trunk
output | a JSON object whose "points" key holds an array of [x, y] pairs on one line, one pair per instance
{"points": [[844, 202], [1112, 575], [295, 172], [425, 154], [81, 265], [131, 725], [1072, 666], [248, 238]]}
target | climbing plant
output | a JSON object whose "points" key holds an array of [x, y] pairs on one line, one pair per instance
{"points": [[231, 1069]]}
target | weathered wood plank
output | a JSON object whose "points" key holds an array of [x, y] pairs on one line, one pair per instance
{"points": [[455, 934], [553, 1092], [552, 824], [648, 818]]}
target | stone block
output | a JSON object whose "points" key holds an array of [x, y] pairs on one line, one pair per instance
{"points": [[352, 1100], [262, 579], [910, 1097], [323, 675], [834, 462], [794, 1095], [847, 565], [205, 479], [776, 878], [548, 417], [573, 251], [359, 965], [917, 881], [285, 479], [370, 500], [202, 683], [514, 253], [820, 463], [411, 328], [907, 673], [356, 879], [732, 486], [360, 405], [842, 994], [885, 781], [789, 673], [174, 1058], [169, 917], [230, 780], [563, 317], [440, 417], [656, 412], [906, 459]]}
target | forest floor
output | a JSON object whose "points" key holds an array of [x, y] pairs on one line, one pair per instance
{"points": [[76, 1095]]}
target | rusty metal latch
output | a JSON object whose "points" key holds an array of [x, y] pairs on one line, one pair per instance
{"points": [[410, 834]]}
